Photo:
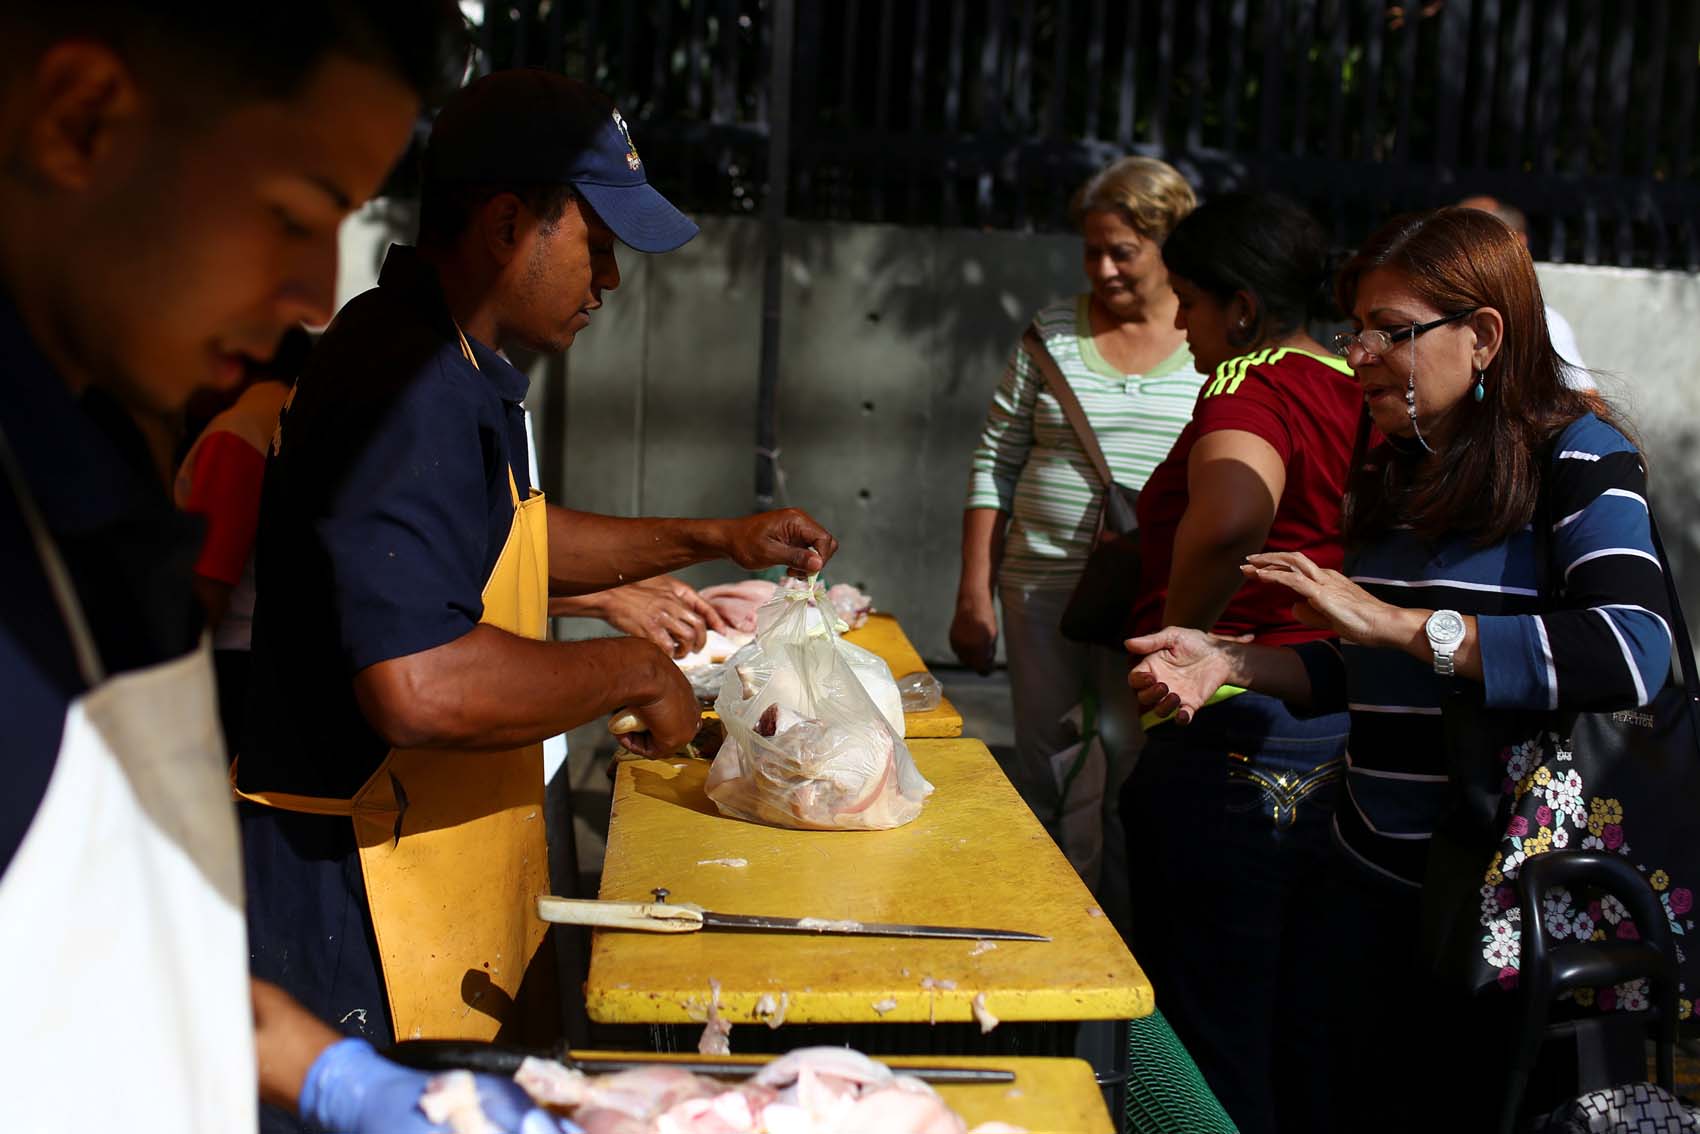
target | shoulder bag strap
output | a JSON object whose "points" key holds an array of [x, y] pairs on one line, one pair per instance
{"points": [[1067, 402]]}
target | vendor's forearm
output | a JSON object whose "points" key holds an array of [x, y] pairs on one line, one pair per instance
{"points": [[287, 1039], [591, 552], [489, 689], [589, 605], [983, 531]]}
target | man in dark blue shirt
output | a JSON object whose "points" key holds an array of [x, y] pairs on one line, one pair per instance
{"points": [[170, 193], [394, 841]]}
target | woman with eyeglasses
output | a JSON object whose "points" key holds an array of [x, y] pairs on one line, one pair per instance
{"points": [[1227, 820], [1449, 589]]}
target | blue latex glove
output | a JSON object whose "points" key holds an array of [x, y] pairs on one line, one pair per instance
{"points": [[351, 1089]]}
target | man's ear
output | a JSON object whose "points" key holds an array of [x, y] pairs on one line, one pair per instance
{"points": [[500, 224], [79, 100]]}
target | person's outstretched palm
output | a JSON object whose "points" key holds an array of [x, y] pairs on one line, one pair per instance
{"points": [[1179, 671]]}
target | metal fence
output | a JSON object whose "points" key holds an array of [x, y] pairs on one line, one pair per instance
{"points": [[987, 112]]}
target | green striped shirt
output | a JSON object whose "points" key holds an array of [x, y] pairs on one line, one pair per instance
{"points": [[1030, 464]]}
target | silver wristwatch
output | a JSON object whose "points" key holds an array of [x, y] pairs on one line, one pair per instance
{"points": [[1445, 630]]}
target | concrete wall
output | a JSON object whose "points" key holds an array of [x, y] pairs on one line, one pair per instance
{"points": [[893, 341]]}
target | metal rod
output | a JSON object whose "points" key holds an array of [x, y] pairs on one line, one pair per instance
{"points": [[773, 232]]}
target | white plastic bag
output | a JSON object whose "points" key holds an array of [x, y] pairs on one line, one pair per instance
{"points": [[809, 743]]}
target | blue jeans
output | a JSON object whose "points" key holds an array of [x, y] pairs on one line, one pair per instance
{"points": [[1228, 830]]}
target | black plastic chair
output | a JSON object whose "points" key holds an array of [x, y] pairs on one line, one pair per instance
{"points": [[1549, 968]]}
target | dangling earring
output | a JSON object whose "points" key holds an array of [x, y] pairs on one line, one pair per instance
{"points": [[1481, 389]]}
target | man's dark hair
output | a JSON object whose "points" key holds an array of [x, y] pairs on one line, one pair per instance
{"points": [[254, 48], [446, 207]]}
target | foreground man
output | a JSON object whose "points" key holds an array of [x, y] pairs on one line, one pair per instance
{"points": [[171, 180], [402, 686]]}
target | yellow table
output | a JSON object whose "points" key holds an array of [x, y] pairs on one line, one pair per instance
{"points": [[1049, 1096], [975, 857], [882, 635]]}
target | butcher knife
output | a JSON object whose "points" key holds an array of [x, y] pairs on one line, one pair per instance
{"points": [[492, 1059], [660, 916]]}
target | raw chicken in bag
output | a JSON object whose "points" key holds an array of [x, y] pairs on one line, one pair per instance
{"points": [[809, 739]]}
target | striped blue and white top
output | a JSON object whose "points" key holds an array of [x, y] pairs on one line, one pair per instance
{"points": [[1601, 641], [1030, 464]]}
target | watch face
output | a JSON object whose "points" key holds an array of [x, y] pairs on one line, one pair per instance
{"points": [[1445, 626]]}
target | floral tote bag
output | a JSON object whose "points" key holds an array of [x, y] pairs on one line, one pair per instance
{"points": [[1626, 782]]}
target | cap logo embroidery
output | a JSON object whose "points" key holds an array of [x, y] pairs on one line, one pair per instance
{"points": [[633, 162]]}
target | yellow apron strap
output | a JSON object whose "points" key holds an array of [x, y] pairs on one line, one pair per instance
{"points": [[466, 347], [285, 801], [466, 350]]}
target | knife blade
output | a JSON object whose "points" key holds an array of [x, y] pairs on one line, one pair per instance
{"points": [[664, 917]]}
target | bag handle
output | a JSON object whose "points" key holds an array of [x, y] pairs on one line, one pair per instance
{"points": [[1040, 356]]}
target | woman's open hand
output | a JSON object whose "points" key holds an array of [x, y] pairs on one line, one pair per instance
{"points": [[1327, 600], [1179, 670]]}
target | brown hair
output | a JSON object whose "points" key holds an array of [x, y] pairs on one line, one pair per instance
{"points": [[1151, 195], [1486, 483]]}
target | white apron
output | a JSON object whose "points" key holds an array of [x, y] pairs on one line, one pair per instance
{"points": [[123, 949]]}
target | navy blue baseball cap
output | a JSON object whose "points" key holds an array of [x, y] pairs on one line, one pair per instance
{"points": [[539, 127]]}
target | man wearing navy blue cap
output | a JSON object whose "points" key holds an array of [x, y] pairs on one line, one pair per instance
{"points": [[401, 683]]}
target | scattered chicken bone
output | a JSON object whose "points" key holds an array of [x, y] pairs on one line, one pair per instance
{"points": [[717, 1031], [982, 947], [771, 1011], [982, 1014], [734, 863]]}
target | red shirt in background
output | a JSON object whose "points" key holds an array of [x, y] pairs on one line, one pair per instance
{"points": [[1307, 407]]}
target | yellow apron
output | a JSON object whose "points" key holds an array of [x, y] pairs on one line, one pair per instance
{"points": [[452, 842]]}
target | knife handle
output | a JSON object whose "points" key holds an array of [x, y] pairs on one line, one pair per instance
{"points": [[649, 917]]}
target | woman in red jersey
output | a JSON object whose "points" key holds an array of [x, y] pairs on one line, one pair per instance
{"points": [[1228, 820]]}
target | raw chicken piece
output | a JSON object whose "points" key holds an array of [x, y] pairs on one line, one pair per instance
{"points": [[822, 1090], [898, 1108], [738, 602], [814, 779], [451, 1100], [552, 1083], [851, 603], [813, 729], [706, 668], [783, 684]]}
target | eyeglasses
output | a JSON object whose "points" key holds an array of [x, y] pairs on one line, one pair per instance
{"points": [[1375, 344]]}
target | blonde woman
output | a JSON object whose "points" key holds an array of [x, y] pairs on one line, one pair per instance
{"points": [[1033, 499]]}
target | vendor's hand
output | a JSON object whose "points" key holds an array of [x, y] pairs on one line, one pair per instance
{"points": [[974, 634], [1327, 599], [1179, 671], [662, 610], [788, 538], [351, 1089], [666, 722]]}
